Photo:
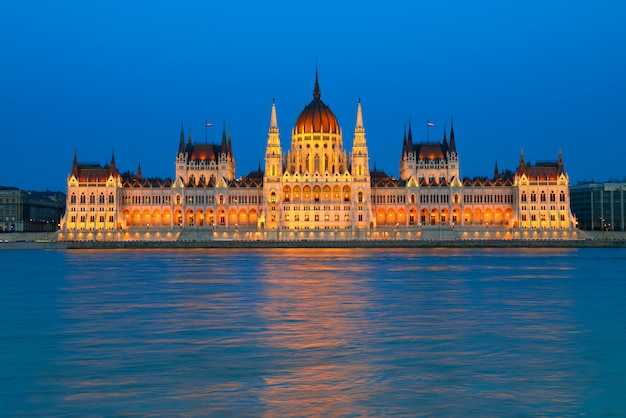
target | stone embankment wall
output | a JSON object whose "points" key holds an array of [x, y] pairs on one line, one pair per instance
{"points": [[42, 240]]}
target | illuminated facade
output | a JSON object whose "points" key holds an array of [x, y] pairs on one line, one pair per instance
{"points": [[318, 191]]}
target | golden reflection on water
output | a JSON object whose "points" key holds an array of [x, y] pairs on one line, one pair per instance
{"points": [[320, 332], [315, 311]]}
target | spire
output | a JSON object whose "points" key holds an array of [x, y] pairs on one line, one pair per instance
{"points": [[359, 115], [189, 137], [359, 129], [452, 141], [181, 144], [560, 162], [273, 119], [224, 142], [410, 138], [273, 138], [273, 154], [316, 90], [496, 172], [75, 165], [445, 139], [112, 169], [139, 171], [522, 163]]}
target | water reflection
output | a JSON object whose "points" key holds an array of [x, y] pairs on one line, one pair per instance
{"points": [[319, 332], [315, 314]]}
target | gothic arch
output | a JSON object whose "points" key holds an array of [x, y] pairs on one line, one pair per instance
{"points": [[346, 193], [468, 217], [488, 218], [189, 217], [381, 218], [166, 217], [478, 216], [391, 217], [243, 217]]}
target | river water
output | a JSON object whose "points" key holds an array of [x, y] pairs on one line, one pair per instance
{"points": [[313, 332]]}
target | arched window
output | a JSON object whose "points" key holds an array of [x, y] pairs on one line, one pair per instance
{"points": [[92, 198], [543, 196], [82, 198], [523, 196], [101, 198], [562, 196], [111, 198], [273, 197], [552, 197], [73, 198], [533, 197]]}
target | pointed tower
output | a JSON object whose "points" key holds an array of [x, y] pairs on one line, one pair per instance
{"points": [[316, 89], [224, 141], [445, 139], [496, 172], [273, 152], [139, 176], [408, 159], [181, 143], [75, 166], [361, 190], [360, 158], [181, 156], [560, 168], [189, 143], [225, 158], [452, 141], [112, 168], [452, 155]]}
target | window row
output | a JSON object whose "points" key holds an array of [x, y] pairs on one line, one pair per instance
{"points": [[542, 196], [92, 198], [316, 217], [92, 218]]}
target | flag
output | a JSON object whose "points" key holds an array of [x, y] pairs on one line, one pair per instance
{"points": [[431, 123], [209, 123]]}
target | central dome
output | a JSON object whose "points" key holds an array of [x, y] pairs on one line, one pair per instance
{"points": [[316, 116]]}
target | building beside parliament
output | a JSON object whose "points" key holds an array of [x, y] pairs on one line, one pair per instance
{"points": [[318, 190], [30, 211], [599, 206]]}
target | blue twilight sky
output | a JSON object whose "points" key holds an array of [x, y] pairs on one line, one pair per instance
{"points": [[97, 76]]}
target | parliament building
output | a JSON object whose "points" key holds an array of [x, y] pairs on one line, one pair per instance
{"points": [[318, 190]]}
